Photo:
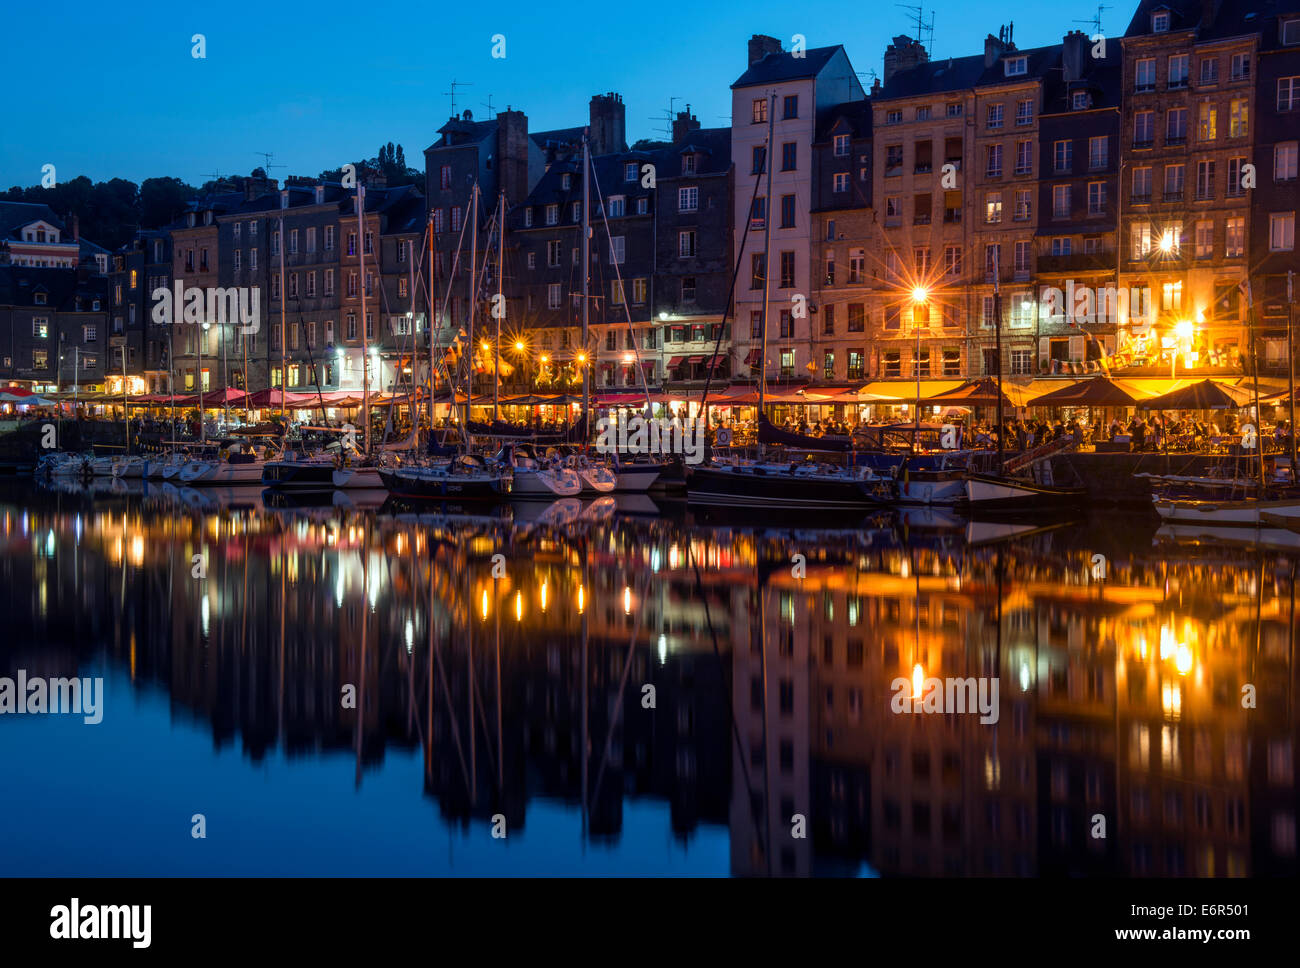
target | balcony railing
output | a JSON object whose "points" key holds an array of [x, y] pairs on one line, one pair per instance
{"points": [[1144, 199], [1174, 196], [1141, 143]]}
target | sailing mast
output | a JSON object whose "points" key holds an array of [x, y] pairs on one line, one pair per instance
{"points": [[284, 337], [586, 275], [365, 335], [126, 414], [415, 342], [767, 242], [498, 307], [997, 344], [473, 298]]}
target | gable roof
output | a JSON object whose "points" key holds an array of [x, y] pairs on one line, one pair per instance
{"points": [[784, 66], [14, 215]]}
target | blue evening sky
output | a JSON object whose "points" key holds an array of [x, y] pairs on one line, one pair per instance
{"points": [[112, 90]]}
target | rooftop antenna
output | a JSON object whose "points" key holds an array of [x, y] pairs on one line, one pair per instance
{"points": [[868, 73], [268, 155], [452, 93], [924, 31], [491, 110], [1095, 21], [668, 118]]}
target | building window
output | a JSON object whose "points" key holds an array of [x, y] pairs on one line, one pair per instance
{"points": [[954, 109], [1024, 158], [1235, 237], [1022, 257], [1062, 245], [758, 113], [1204, 239], [1207, 122], [1144, 126], [857, 318], [1204, 179], [787, 211], [1024, 205], [757, 271], [841, 145], [1281, 231], [1178, 70], [1145, 77], [617, 250], [1176, 126], [1062, 156], [791, 106], [1022, 362], [1098, 152], [841, 181], [688, 199], [993, 116], [857, 264], [553, 250], [1284, 159], [993, 208], [828, 320], [993, 166], [1080, 100], [787, 270], [789, 156], [1061, 201], [854, 369], [553, 296], [1141, 185], [1016, 66], [1238, 118], [1024, 112], [444, 181], [686, 244], [893, 117], [952, 260], [1096, 198]]}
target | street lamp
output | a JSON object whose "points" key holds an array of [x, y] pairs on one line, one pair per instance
{"points": [[920, 297]]}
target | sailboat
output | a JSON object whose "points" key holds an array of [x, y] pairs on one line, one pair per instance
{"points": [[807, 483]]}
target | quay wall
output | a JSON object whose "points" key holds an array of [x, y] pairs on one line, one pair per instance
{"points": [[1109, 477]]}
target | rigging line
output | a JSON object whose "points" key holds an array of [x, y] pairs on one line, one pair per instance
{"points": [[731, 294]]}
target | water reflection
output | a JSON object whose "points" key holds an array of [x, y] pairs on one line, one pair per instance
{"points": [[609, 661]]}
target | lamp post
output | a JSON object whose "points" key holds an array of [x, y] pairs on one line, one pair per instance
{"points": [[920, 297]]}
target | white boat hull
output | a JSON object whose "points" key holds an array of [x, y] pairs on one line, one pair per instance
{"points": [[1227, 513]]}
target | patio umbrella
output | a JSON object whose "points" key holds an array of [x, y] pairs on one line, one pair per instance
{"points": [[1206, 395], [1095, 392], [977, 393]]}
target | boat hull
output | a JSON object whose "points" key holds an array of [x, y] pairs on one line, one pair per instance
{"points": [[743, 486], [299, 475], [1231, 514], [1011, 494], [439, 487]]}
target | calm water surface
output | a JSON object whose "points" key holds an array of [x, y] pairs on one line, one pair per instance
{"points": [[636, 693]]}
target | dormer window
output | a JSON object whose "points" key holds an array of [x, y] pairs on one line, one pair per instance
{"points": [[207, 217], [284, 198], [1015, 66], [320, 194], [566, 182], [1080, 100], [1290, 32], [189, 220], [689, 163], [1160, 22], [40, 300]]}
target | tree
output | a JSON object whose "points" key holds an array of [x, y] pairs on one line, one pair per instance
{"points": [[162, 200]]}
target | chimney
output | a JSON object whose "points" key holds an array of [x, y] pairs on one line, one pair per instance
{"points": [[607, 124], [256, 184], [1074, 54], [760, 45], [994, 47], [684, 124], [512, 154], [904, 54]]}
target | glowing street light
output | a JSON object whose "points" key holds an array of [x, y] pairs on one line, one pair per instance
{"points": [[920, 294], [519, 345]]}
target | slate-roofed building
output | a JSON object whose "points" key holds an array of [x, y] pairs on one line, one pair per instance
{"points": [[32, 235], [1078, 194], [844, 230], [1189, 94], [53, 326], [1275, 199], [798, 85]]}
